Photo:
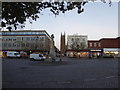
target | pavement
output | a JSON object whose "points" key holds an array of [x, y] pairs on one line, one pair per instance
{"points": [[69, 73]]}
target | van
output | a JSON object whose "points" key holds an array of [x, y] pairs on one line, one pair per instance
{"points": [[37, 57], [13, 54]]}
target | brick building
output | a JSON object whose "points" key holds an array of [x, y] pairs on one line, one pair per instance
{"points": [[106, 46]]}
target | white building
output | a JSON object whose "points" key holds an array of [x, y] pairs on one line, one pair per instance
{"points": [[77, 44], [25, 40]]}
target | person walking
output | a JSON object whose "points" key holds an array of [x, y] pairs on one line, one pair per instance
{"points": [[60, 57]]}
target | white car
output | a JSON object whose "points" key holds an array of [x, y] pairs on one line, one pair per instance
{"points": [[37, 57], [13, 54]]}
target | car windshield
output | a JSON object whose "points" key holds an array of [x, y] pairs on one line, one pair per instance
{"points": [[16, 53], [40, 55]]}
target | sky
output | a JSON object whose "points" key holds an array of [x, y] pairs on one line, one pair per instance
{"points": [[97, 21]]}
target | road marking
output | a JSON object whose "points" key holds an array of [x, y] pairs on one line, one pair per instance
{"points": [[90, 79], [64, 82], [110, 76]]}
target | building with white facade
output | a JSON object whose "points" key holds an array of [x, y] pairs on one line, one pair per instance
{"points": [[76, 44], [25, 40]]}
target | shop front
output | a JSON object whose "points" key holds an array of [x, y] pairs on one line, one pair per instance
{"points": [[77, 53], [113, 52], [96, 53]]}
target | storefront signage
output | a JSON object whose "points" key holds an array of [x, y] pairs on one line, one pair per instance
{"points": [[112, 49], [4, 51], [96, 50]]}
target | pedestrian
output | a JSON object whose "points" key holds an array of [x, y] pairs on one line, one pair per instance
{"points": [[60, 56], [53, 59], [89, 55]]}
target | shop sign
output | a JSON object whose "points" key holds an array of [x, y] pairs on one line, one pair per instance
{"points": [[4, 51], [112, 49], [96, 50]]}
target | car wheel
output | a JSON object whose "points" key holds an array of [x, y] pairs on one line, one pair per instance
{"points": [[32, 59]]}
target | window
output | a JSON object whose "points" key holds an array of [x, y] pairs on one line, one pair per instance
{"points": [[41, 38], [23, 45], [40, 55], [9, 45], [41, 45], [33, 32], [14, 39], [10, 39], [18, 38], [72, 39], [14, 44], [27, 44], [18, 45], [24, 33], [22, 38], [0, 39], [28, 38], [29, 33], [20, 33], [95, 44], [99, 45], [32, 38], [39, 32], [0, 33], [4, 44], [83, 40], [7, 39], [90, 44]]}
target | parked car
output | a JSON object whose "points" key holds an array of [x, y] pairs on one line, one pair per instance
{"points": [[13, 54], [40, 57], [108, 56], [25, 56]]}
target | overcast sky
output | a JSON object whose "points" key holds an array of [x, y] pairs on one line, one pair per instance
{"points": [[97, 21]]}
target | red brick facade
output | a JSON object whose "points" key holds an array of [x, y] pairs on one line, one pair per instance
{"points": [[104, 43], [94, 44]]}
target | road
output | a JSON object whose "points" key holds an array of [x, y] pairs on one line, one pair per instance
{"points": [[70, 73]]}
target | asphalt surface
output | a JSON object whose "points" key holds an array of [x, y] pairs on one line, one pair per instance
{"points": [[70, 73]]}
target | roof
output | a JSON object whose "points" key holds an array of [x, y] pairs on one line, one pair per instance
{"points": [[29, 31], [25, 31]]}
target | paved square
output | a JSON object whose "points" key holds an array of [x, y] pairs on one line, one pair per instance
{"points": [[70, 73]]}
